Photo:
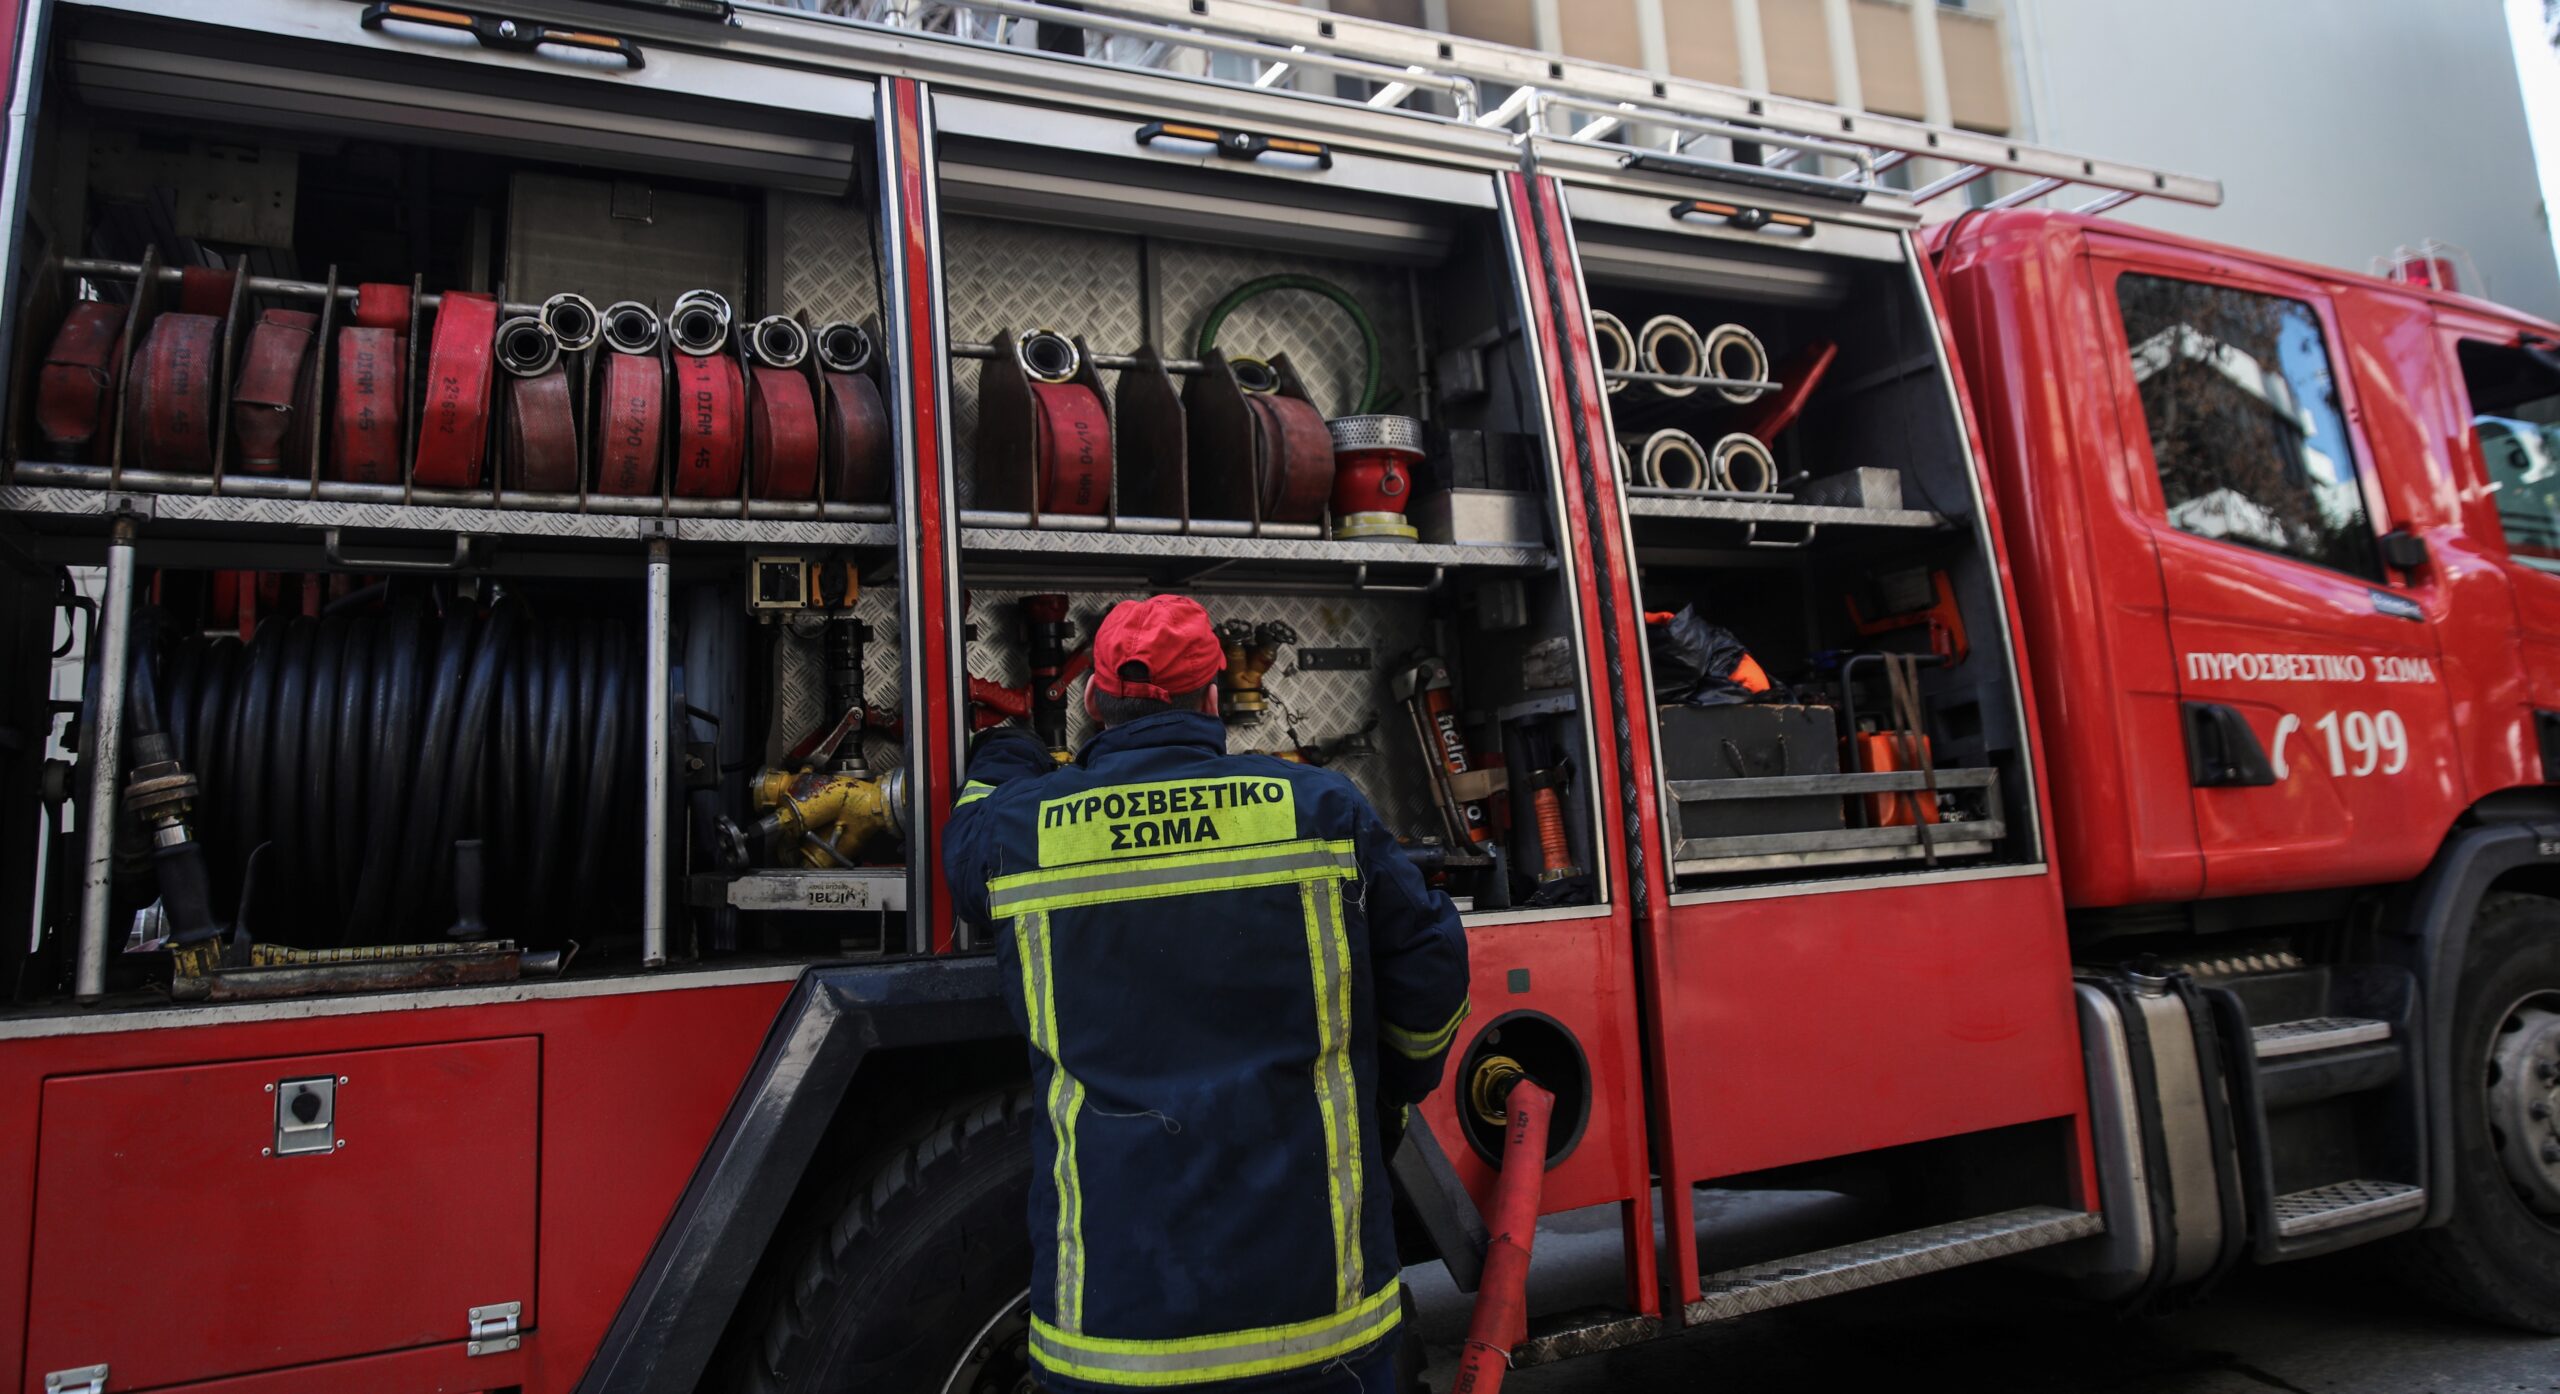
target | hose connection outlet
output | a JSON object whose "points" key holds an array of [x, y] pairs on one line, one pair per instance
{"points": [[1743, 465], [526, 348], [778, 341], [1615, 345], [1047, 355], [699, 323], [1490, 1087], [1255, 375], [1670, 345], [1736, 355], [844, 347], [572, 319], [631, 327]]}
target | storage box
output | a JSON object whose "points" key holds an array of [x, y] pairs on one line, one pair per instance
{"points": [[1754, 740], [1864, 487], [1498, 516]]}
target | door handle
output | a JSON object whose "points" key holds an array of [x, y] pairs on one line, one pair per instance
{"points": [[493, 31], [2222, 752]]}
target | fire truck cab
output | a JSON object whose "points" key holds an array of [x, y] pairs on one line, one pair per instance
{"points": [[2031, 733]]}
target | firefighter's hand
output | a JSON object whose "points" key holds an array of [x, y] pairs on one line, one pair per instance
{"points": [[1000, 753]]}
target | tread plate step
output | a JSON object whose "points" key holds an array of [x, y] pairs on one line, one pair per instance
{"points": [[2283, 1038], [2343, 1203], [1762, 1286]]}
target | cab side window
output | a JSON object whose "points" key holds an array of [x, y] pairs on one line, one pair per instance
{"points": [[2245, 427], [2515, 418]]}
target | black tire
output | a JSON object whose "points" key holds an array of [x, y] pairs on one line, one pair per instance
{"points": [[2498, 1259], [917, 1254]]}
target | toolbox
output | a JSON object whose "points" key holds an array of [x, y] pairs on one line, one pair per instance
{"points": [[1752, 740]]}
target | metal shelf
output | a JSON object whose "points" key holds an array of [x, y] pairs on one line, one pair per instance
{"points": [[514, 520], [1223, 550], [1732, 509]]}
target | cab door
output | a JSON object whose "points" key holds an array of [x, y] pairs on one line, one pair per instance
{"points": [[2507, 455], [2319, 740]]}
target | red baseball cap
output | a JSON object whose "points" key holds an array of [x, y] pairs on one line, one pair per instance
{"points": [[1168, 638]]}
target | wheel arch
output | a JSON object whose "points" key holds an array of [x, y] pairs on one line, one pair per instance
{"points": [[2505, 845], [852, 1047]]}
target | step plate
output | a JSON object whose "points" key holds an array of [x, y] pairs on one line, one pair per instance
{"points": [[2316, 1033], [1760, 1287], [2346, 1203]]}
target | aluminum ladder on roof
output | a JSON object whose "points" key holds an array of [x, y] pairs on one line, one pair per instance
{"points": [[1679, 120]]}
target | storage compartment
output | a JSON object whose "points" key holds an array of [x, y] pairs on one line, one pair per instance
{"points": [[165, 1198], [413, 368], [1796, 477], [1343, 458]]}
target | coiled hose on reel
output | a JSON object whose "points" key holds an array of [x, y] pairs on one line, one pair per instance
{"points": [[361, 745]]}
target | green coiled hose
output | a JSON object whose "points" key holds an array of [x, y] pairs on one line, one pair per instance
{"points": [[1370, 399]]}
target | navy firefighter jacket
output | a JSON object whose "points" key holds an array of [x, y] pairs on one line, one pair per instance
{"points": [[1229, 974]]}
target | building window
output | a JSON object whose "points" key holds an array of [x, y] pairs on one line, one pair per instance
{"points": [[2515, 419], [2245, 428]]}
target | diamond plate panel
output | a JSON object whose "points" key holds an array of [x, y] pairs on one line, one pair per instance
{"points": [[829, 267], [2346, 1203], [1326, 704], [1002, 275], [800, 679], [1850, 1267]]}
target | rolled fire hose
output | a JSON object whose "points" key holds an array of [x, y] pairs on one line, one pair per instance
{"points": [[364, 429], [380, 305], [541, 433], [1742, 465], [1293, 446], [205, 290], [173, 391], [79, 380], [1674, 460], [274, 362], [1071, 431], [453, 431], [711, 425], [1670, 345], [1615, 346], [782, 415], [1735, 353], [1501, 1317], [856, 430], [354, 744], [631, 405]]}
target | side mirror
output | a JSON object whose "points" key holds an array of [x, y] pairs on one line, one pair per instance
{"points": [[2404, 549]]}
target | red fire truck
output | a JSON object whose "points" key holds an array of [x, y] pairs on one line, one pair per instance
{"points": [[2039, 727]]}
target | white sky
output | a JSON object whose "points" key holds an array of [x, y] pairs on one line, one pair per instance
{"points": [[2539, 68]]}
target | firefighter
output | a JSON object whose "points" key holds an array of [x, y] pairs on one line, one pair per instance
{"points": [[1234, 984]]}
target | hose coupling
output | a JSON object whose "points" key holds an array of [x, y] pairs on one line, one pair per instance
{"points": [[526, 347], [1489, 1089], [844, 347], [699, 323], [572, 319], [631, 327], [1047, 355], [778, 341]]}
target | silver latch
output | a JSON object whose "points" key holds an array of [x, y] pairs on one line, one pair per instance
{"points": [[88, 1379], [493, 1329], [306, 1115]]}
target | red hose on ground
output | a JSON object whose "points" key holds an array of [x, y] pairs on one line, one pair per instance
{"points": [[1501, 1318]]}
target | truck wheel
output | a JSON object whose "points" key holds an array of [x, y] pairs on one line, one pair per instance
{"points": [[2499, 1258], [917, 1280]]}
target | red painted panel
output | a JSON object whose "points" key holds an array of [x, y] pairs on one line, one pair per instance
{"points": [[446, 1369], [634, 1084], [1821, 1025], [424, 1211]]}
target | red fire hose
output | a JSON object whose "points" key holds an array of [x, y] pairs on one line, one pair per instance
{"points": [[711, 426], [857, 440], [204, 290], [630, 412], [1501, 1318], [263, 405], [1072, 443], [453, 433], [364, 432], [380, 305], [542, 437], [173, 396], [79, 380], [783, 421], [1296, 451]]}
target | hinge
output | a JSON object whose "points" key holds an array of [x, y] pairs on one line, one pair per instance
{"points": [[88, 1379], [493, 1329]]}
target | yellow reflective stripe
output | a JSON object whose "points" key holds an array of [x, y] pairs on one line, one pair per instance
{"points": [[1065, 1101], [1194, 873], [971, 792], [1421, 1045], [1331, 1105], [1228, 1355], [1344, 1088]]}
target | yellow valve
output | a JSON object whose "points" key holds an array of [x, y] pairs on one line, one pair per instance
{"points": [[824, 819], [1489, 1088]]}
